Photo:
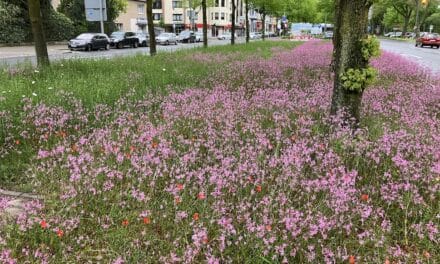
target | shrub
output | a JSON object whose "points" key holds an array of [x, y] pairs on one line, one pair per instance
{"points": [[59, 27], [11, 24]]}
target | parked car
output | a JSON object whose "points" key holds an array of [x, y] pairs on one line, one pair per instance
{"points": [[226, 36], [187, 36], [199, 36], [328, 35], [166, 39], [394, 34], [255, 35], [89, 41], [144, 39], [428, 39], [269, 34], [122, 39], [410, 35]]}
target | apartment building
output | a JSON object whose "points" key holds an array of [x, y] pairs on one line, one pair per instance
{"points": [[177, 15]]}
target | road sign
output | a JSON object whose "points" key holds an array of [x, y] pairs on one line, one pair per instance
{"points": [[92, 10]]}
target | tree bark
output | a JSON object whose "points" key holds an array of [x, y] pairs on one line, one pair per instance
{"points": [[233, 23], [151, 27], [205, 25], [264, 25], [405, 24], [248, 34], [38, 33], [351, 21]]}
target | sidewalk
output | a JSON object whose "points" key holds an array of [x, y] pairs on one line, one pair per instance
{"points": [[26, 51]]}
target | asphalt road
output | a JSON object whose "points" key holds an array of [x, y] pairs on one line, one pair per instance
{"points": [[13, 57], [425, 56]]}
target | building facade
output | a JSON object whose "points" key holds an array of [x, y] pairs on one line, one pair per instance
{"points": [[177, 15]]}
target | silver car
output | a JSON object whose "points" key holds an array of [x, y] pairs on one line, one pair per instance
{"points": [[166, 39], [199, 36]]}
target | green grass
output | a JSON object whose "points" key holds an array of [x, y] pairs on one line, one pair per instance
{"points": [[104, 81]]}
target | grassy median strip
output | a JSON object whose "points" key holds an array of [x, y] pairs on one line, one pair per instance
{"points": [[103, 81]]}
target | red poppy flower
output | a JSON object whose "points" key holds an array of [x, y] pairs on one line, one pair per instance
{"points": [[154, 144], [43, 224], [179, 186], [147, 220], [351, 260], [196, 216], [364, 197], [177, 200], [17, 142], [125, 222], [60, 233], [201, 196], [258, 188], [268, 228]]}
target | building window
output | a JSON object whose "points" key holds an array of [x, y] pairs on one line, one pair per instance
{"points": [[223, 3], [119, 26], [177, 17], [177, 4], [141, 9], [216, 15], [223, 16], [157, 4], [216, 3], [156, 16], [212, 16]]}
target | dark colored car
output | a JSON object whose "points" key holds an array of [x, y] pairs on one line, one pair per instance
{"points": [[123, 39], [187, 37], [428, 39], [89, 41]]}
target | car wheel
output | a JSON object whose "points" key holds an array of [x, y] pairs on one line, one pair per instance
{"points": [[107, 46], [119, 45], [175, 42], [167, 43], [136, 44], [144, 44], [89, 47]]}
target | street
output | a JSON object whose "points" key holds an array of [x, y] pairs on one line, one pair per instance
{"points": [[12, 56], [426, 56]]}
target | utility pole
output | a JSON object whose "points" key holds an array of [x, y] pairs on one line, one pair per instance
{"points": [[101, 16]]}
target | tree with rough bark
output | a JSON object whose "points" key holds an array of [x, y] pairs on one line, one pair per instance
{"points": [[205, 24], [38, 33], [351, 55], [248, 32], [234, 7], [150, 25]]}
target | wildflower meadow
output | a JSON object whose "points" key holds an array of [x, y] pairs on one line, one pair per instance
{"points": [[244, 165]]}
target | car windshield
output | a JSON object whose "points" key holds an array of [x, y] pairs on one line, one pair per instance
{"points": [[165, 35], [85, 36], [117, 35]]}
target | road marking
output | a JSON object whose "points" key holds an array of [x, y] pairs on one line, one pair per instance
{"points": [[410, 55]]}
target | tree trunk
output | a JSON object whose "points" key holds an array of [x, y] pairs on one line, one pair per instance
{"points": [[248, 34], [406, 23], [151, 27], [38, 33], [233, 23], [351, 21], [205, 25], [264, 25]]}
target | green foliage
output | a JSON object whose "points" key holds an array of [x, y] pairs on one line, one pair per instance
{"points": [[75, 10], [11, 23], [59, 27], [356, 80], [370, 48]]}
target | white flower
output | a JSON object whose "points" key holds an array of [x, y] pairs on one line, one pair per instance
{"points": [[36, 71], [62, 65], [23, 96], [50, 88], [33, 82], [34, 94], [164, 69], [3, 91]]}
